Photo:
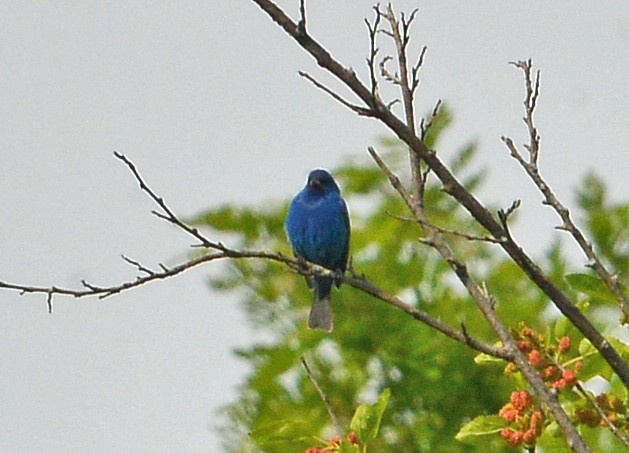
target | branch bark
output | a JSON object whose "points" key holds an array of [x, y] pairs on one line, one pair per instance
{"points": [[531, 167], [451, 185]]}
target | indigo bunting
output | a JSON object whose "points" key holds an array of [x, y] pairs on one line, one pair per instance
{"points": [[317, 226]]}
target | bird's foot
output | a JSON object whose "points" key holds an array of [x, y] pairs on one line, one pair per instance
{"points": [[337, 275]]}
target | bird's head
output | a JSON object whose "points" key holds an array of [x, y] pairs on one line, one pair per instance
{"points": [[320, 181]]}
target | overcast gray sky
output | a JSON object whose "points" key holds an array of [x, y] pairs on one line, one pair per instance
{"points": [[205, 98]]}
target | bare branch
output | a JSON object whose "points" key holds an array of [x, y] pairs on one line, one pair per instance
{"points": [[504, 216], [399, 31], [360, 282], [302, 17], [530, 102], [531, 167], [303, 268], [49, 301], [608, 423], [424, 126], [356, 108], [453, 187], [137, 265], [222, 252], [390, 77], [469, 237], [393, 179], [324, 397], [416, 68], [392, 103], [486, 305], [373, 51], [168, 215]]}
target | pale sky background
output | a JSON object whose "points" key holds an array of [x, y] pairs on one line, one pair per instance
{"points": [[205, 98]]}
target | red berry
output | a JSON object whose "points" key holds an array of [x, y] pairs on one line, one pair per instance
{"points": [[569, 377], [521, 399], [564, 344], [551, 372], [516, 438], [535, 357], [536, 418], [526, 398], [529, 333], [529, 435], [352, 438], [560, 383], [524, 346], [334, 441], [509, 414], [506, 433]]}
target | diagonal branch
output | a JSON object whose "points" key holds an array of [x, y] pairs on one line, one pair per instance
{"points": [[453, 187], [167, 214], [485, 303], [221, 252], [324, 397], [356, 281], [531, 167], [356, 108]]}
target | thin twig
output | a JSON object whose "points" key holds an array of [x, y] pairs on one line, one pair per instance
{"points": [[223, 252], [615, 431], [531, 167], [399, 31], [485, 303], [168, 214], [302, 17], [426, 125], [356, 108], [324, 397], [373, 29], [453, 187]]}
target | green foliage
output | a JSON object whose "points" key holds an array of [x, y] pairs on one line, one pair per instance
{"points": [[366, 420], [481, 426], [434, 385], [607, 223], [591, 286]]}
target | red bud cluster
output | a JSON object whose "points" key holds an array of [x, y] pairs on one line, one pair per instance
{"points": [[526, 421], [544, 356]]}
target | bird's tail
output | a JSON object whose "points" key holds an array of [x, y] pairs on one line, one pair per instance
{"points": [[321, 314]]}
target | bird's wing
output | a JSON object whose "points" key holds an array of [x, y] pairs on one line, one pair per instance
{"points": [[348, 230]]}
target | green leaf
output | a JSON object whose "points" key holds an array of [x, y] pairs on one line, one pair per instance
{"points": [[347, 447], [483, 425], [552, 439], [282, 432], [620, 347], [366, 419], [562, 327], [591, 286], [486, 359], [593, 362]]}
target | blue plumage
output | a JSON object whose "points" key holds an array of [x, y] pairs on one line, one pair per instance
{"points": [[317, 226]]}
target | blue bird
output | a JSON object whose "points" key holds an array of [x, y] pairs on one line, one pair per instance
{"points": [[317, 226]]}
